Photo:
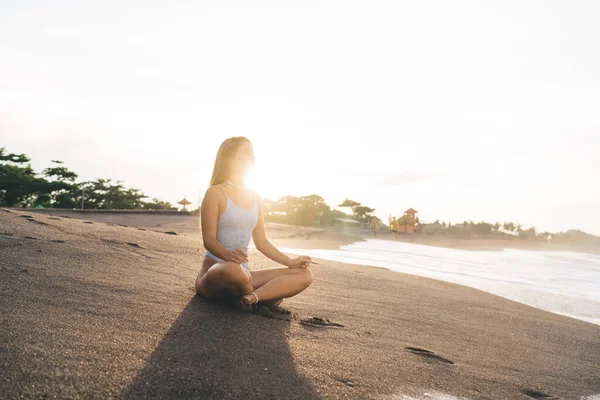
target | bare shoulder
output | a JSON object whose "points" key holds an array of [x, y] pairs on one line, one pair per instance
{"points": [[213, 193]]}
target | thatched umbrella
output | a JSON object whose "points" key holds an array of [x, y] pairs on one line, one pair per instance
{"points": [[184, 203]]}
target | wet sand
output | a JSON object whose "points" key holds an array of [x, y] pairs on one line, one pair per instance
{"points": [[98, 310]]}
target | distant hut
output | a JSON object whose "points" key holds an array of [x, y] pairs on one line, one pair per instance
{"points": [[407, 222], [184, 203]]}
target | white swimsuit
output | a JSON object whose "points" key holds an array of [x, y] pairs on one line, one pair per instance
{"points": [[235, 227]]}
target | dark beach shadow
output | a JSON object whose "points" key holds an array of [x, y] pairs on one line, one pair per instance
{"points": [[212, 351]]}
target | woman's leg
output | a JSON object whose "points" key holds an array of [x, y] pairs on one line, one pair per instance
{"points": [[223, 279], [276, 283]]}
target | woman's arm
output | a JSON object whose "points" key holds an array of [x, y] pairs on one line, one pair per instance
{"points": [[209, 216], [264, 246]]}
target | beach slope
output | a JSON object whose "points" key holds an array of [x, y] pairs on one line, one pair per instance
{"points": [[98, 310]]}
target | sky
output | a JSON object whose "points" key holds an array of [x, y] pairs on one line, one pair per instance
{"points": [[463, 110]]}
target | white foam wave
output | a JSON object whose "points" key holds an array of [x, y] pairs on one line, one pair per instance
{"points": [[562, 282]]}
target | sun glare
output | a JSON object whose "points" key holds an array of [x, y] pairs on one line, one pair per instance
{"points": [[267, 183]]}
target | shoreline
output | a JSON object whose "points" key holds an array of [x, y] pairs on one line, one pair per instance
{"points": [[492, 271], [322, 260], [338, 239]]}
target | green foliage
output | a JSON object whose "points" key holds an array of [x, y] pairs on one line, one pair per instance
{"points": [[310, 210], [20, 186], [363, 213], [103, 194], [349, 204], [360, 212], [305, 210], [67, 197], [157, 204], [482, 228], [13, 158], [509, 226], [61, 174]]}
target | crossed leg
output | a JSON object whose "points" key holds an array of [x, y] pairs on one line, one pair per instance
{"points": [[280, 282], [230, 279]]}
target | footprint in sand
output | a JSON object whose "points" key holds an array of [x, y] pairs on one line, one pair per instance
{"points": [[320, 322], [534, 394], [270, 311], [36, 221], [428, 354], [346, 381]]}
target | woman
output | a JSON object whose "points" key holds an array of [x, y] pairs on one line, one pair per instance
{"points": [[230, 215]]}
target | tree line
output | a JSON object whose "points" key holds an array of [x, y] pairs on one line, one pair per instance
{"points": [[57, 187], [485, 228], [312, 210]]}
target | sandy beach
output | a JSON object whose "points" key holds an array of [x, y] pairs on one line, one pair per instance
{"points": [[298, 237], [94, 309]]}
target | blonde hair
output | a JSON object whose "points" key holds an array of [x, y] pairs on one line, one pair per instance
{"points": [[224, 162]]}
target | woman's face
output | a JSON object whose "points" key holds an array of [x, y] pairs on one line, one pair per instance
{"points": [[245, 158]]}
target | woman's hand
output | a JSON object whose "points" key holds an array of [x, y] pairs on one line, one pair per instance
{"points": [[300, 262], [238, 256]]}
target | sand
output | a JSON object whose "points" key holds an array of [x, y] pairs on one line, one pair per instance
{"points": [[297, 237], [98, 310]]}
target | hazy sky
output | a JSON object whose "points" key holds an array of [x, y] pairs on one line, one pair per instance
{"points": [[461, 110]]}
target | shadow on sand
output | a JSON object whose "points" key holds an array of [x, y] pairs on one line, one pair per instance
{"points": [[214, 352]]}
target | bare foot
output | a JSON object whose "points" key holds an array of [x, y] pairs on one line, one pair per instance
{"points": [[243, 304], [275, 303], [250, 299]]}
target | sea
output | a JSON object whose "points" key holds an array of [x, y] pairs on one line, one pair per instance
{"points": [[562, 282]]}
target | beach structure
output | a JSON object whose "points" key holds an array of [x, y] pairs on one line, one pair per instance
{"points": [[407, 222], [184, 203]]}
